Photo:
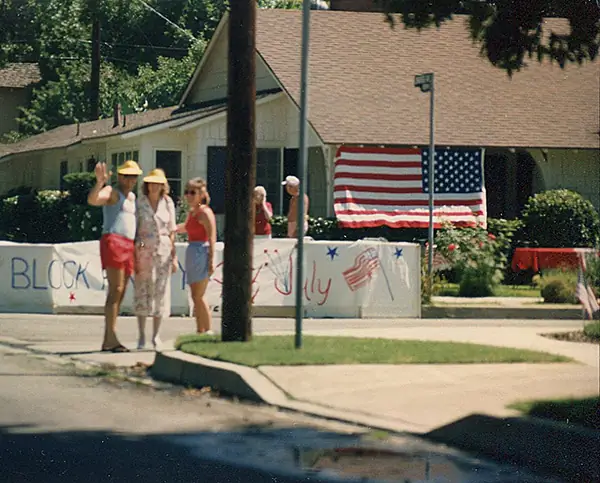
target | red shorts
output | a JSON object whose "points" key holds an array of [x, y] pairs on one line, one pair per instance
{"points": [[116, 251]]}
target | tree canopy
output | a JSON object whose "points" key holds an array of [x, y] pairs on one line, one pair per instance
{"points": [[149, 48]]}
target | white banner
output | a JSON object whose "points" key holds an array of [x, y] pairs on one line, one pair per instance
{"points": [[341, 279]]}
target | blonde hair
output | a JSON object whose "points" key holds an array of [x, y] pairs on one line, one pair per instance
{"points": [[198, 184], [261, 190], [166, 189]]}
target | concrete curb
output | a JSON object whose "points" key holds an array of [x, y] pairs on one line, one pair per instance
{"points": [[251, 384], [546, 446], [497, 312], [541, 445]]}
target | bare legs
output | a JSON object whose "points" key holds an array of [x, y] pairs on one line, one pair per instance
{"points": [[156, 321], [117, 282], [201, 310]]}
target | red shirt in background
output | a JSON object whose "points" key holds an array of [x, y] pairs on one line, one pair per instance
{"points": [[261, 223]]}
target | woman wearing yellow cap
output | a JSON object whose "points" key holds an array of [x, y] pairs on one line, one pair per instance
{"points": [[117, 242], [155, 259]]}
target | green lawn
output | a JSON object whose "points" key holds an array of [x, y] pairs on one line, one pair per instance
{"points": [[279, 351], [584, 412], [451, 290]]}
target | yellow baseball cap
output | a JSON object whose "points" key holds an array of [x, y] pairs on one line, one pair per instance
{"points": [[156, 176], [129, 168]]}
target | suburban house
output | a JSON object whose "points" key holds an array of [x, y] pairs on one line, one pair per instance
{"points": [[16, 84], [540, 129]]}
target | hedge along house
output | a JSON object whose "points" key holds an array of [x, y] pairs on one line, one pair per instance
{"points": [[540, 129]]}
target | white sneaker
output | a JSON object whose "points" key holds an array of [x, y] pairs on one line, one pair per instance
{"points": [[157, 343], [209, 332], [141, 343]]}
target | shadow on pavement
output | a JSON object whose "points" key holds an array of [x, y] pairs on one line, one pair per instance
{"points": [[244, 455], [568, 451]]}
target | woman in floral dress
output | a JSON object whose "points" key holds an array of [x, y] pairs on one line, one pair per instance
{"points": [[155, 255]]}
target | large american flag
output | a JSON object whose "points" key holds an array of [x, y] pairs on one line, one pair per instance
{"points": [[390, 186]]}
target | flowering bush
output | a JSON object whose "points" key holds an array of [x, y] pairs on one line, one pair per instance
{"points": [[475, 255]]}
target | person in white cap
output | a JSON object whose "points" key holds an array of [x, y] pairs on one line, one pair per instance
{"points": [[292, 186]]}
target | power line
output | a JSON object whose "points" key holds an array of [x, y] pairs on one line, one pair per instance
{"points": [[169, 21], [139, 46]]}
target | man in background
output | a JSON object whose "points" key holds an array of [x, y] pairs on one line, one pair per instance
{"points": [[292, 186]]}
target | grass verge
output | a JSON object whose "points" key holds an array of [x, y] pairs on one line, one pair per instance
{"points": [[451, 290], [317, 350], [583, 412]]}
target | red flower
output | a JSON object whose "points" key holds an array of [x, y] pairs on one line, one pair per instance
{"points": [[480, 244], [491, 236], [451, 247]]}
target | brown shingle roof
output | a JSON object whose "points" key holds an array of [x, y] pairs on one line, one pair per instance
{"points": [[65, 136], [362, 74], [19, 75]]}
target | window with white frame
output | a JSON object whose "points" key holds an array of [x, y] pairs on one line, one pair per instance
{"points": [[64, 170], [272, 166], [117, 159], [268, 174], [170, 163]]}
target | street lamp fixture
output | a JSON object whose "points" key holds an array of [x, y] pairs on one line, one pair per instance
{"points": [[426, 83]]}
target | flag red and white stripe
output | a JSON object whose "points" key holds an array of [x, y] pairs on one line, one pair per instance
{"points": [[388, 186], [365, 265]]}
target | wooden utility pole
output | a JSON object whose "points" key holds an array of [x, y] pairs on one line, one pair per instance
{"points": [[95, 75], [240, 173]]}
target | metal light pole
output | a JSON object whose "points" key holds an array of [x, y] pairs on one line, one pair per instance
{"points": [[302, 171], [426, 83]]}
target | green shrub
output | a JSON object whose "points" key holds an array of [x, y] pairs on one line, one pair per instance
{"points": [[592, 330], [475, 255], [84, 222], [37, 217], [558, 286], [181, 211], [593, 271], [560, 218], [79, 185], [437, 281]]}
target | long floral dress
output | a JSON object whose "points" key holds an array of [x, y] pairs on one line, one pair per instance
{"points": [[154, 259]]}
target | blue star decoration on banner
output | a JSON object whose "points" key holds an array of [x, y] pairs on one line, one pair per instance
{"points": [[332, 252], [398, 253]]}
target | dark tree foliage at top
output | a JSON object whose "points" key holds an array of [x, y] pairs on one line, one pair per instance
{"points": [[511, 31]]}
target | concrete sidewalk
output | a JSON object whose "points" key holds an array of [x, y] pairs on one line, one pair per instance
{"points": [[416, 398]]}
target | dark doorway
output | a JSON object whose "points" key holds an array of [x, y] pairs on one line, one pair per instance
{"points": [[495, 171], [525, 174], [508, 182]]}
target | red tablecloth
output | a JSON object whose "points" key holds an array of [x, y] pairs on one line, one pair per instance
{"points": [[537, 259]]}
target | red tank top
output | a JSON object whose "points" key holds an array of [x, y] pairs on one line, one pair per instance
{"points": [[261, 224], [195, 230]]}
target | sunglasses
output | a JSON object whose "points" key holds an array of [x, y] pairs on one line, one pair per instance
{"points": [[129, 176], [190, 192]]}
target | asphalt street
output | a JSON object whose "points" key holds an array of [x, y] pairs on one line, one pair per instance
{"points": [[60, 426], [58, 423]]}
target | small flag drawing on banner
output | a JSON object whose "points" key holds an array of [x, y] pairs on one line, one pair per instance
{"points": [[365, 265], [390, 186]]}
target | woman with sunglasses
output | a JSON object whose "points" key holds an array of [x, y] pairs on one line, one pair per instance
{"points": [[117, 246], [201, 229]]}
